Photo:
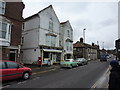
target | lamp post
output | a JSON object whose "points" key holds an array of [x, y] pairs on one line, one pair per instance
{"points": [[84, 42], [84, 34]]}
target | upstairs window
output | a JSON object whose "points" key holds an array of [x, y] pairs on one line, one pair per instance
{"points": [[50, 40], [68, 33], [3, 30], [2, 7], [51, 24]]}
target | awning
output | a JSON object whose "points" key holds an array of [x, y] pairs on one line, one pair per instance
{"points": [[52, 50]]}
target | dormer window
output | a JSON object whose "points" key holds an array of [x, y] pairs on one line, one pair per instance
{"points": [[2, 7]]}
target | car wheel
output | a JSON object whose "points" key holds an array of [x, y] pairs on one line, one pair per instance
{"points": [[77, 65], [71, 66], [83, 64], [26, 75]]}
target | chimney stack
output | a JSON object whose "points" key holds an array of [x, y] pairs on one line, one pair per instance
{"points": [[81, 40], [93, 44]]}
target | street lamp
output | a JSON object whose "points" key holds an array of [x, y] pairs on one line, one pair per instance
{"points": [[84, 34], [84, 42]]}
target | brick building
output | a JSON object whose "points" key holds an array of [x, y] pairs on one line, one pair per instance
{"points": [[10, 29], [84, 50]]}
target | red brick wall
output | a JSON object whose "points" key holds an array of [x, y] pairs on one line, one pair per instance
{"points": [[14, 12], [5, 53], [16, 32]]}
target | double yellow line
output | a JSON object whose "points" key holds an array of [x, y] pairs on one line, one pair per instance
{"points": [[96, 83]]}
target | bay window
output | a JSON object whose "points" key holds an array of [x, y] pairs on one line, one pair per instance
{"points": [[68, 46], [5, 32], [50, 40]]}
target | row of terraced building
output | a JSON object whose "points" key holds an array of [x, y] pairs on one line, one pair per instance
{"points": [[38, 38]]}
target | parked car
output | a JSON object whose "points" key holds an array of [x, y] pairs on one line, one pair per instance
{"points": [[81, 61], [12, 70], [69, 63]]}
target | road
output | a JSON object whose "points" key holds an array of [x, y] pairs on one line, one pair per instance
{"points": [[78, 77]]}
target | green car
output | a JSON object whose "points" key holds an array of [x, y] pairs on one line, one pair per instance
{"points": [[69, 63], [81, 61]]}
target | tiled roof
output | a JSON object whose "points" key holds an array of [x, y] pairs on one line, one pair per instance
{"points": [[84, 45], [78, 44]]}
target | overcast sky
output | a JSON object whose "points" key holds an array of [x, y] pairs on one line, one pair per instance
{"points": [[99, 18]]}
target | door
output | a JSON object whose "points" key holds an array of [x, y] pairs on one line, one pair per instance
{"points": [[12, 55], [12, 71]]}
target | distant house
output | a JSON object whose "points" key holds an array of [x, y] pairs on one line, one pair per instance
{"points": [[67, 38], [11, 29], [103, 51], [83, 50]]}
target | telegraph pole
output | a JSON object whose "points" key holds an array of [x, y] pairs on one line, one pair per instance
{"points": [[84, 34], [84, 42]]}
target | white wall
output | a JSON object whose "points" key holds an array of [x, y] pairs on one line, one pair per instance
{"points": [[30, 56], [68, 27], [44, 26], [30, 34], [30, 42]]}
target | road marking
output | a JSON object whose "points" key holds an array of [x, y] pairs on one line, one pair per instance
{"points": [[6, 86], [43, 71], [94, 86]]}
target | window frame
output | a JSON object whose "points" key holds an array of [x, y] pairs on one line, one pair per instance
{"points": [[12, 67], [2, 7], [7, 31]]}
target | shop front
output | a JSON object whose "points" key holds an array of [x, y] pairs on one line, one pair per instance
{"points": [[51, 56]]}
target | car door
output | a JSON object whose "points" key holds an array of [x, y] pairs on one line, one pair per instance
{"points": [[2, 71], [12, 71]]}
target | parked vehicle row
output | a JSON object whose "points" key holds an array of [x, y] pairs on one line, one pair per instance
{"points": [[69, 63], [12, 70]]}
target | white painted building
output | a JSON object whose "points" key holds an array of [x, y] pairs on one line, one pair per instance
{"points": [[40, 38], [67, 39]]}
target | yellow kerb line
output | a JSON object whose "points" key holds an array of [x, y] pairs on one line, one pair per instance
{"points": [[94, 86]]}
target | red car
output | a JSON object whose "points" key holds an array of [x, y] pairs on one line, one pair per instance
{"points": [[11, 70]]}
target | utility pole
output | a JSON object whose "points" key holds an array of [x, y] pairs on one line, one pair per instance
{"points": [[84, 42], [103, 45], [84, 34]]}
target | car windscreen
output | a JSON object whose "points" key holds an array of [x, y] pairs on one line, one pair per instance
{"points": [[79, 59], [67, 60]]}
